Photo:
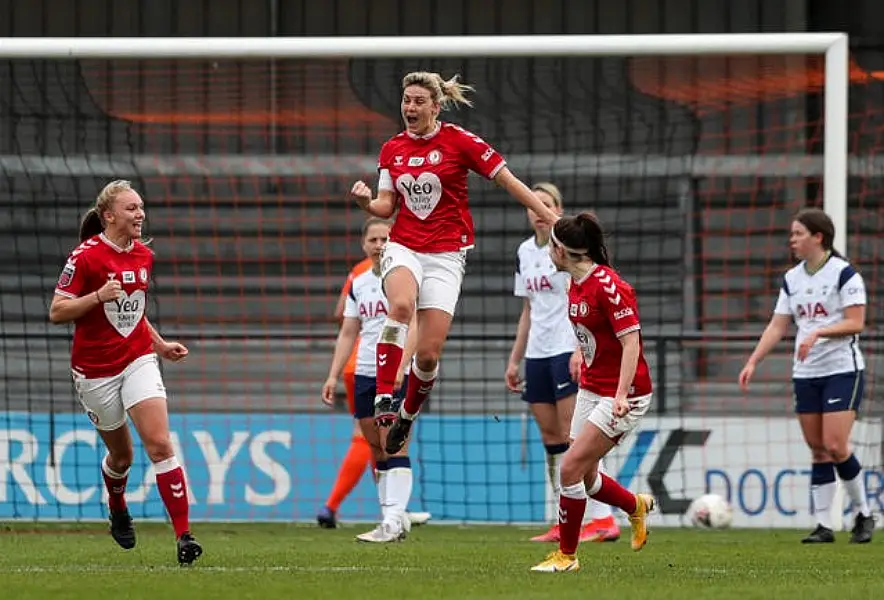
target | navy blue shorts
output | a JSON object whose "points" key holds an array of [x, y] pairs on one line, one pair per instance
{"points": [[833, 393], [548, 380], [365, 390]]}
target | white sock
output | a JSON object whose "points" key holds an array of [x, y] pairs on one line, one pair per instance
{"points": [[399, 483], [823, 495], [851, 474], [595, 509], [553, 472], [856, 491], [382, 492]]}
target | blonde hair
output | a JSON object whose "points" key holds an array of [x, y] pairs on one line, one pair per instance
{"points": [[549, 189], [448, 93], [93, 221]]}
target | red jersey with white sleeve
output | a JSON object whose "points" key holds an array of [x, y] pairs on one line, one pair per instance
{"points": [[113, 334], [429, 176], [602, 308]]}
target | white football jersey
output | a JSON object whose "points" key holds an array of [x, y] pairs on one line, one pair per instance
{"points": [[816, 300], [537, 280], [366, 302]]}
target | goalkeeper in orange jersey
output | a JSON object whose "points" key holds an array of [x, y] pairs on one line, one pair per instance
{"points": [[358, 455]]}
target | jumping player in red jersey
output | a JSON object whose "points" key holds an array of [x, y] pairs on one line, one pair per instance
{"points": [[615, 384], [103, 291], [423, 173]]}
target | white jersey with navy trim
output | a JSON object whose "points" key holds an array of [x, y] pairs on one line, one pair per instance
{"points": [[546, 289], [366, 302], [817, 300]]}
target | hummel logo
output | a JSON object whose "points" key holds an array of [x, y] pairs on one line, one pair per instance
{"points": [[177, 494], [615, 300], [175, 486], [605, 279], [610, 289], [382, 359]]}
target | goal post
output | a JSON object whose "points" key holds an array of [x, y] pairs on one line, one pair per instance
{"points": [[833, 45], [245, 148]]}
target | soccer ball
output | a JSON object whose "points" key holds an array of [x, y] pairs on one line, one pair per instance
{"points": [[711, 511]]}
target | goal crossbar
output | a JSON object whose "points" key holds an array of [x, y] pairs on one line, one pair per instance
{"points": [[833, 45]]}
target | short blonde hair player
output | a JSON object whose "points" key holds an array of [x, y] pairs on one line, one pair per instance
{"points": [[422, 180]]}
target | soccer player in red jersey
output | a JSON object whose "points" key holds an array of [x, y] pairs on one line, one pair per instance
{"points": [[615, 384], [103, 291], [423, 173], [358, 454], [545, 340]]}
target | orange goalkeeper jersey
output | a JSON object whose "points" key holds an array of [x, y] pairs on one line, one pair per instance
{"points": [[358, 270]]}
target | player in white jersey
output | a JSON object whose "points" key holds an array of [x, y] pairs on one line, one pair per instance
{"points": [[826, 298], [546, 340], [365, 312]]}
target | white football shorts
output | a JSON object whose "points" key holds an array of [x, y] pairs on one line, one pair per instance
{"points": [[106, 400], [439, 275], [599, 411]]}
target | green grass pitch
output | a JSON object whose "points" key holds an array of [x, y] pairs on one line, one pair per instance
{"points": [[294, 562]]}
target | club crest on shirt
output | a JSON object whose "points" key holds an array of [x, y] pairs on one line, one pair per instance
{"points": [[434, 157], [142, 275]]}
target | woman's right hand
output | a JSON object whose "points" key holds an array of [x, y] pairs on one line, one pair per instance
{"points": [[362, 193], [513, 381], [328, 391], [746, 376], [109, 291]]}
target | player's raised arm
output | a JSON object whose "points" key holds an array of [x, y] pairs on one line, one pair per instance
{"points": [[384, 205], [521, 192]]}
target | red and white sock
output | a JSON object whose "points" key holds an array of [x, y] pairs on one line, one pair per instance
{"points": [[116, 486], [173, 490], [389, 355], [420, 384], [572, 506], [606, 489]]}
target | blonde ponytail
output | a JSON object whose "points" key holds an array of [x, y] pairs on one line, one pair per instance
{"points": [[448, 93]]}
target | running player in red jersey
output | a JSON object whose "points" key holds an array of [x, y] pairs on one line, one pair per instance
{"points": [[615, 384], [423, 173], [358, 454], [103, 291]]}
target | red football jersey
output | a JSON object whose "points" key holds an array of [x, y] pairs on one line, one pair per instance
{"points": [[110, 336], [602, 308], [429, 177]]}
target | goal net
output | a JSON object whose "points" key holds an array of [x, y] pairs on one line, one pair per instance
{"points": [[694, 164]]}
